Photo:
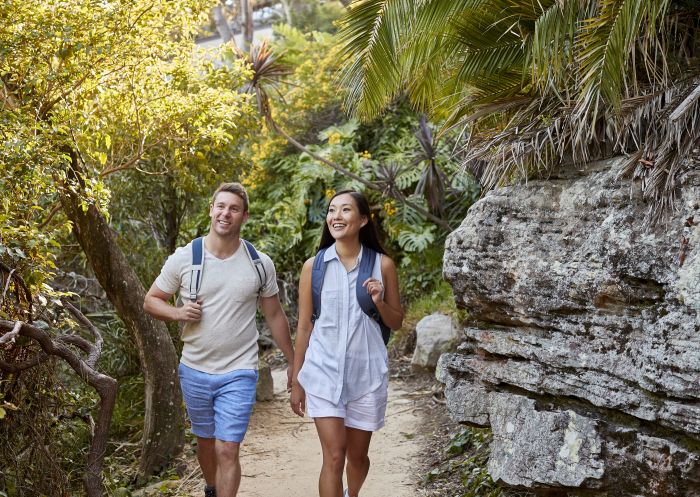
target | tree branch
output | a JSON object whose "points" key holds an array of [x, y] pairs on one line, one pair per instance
{"points": [[105, 386]]}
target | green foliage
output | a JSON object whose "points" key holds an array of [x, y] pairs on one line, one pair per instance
{"points": [[290, 190], [316, 15], [535, 85], [427, 295], [119, 90], [465, 457]]}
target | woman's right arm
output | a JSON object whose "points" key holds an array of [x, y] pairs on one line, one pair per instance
{"points": [[298, 398]]}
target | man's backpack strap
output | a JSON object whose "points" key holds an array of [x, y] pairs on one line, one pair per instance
{"points": [[257, 263], [196, 268], [198, 265], [364, 298], [318, 272]]}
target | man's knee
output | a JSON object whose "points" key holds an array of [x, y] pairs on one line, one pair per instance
{"points": [[227, 451], [206, 443]]}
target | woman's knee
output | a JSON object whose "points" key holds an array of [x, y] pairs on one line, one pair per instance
{"points": [[358, 459], [334, 459]]}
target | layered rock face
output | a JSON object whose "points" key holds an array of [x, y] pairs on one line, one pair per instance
{"points": [[583, 350]]}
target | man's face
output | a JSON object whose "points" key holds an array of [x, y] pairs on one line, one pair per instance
{"points": [[227, 214]]}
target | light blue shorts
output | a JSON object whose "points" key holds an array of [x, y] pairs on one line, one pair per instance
{"points": [[219, 405]]}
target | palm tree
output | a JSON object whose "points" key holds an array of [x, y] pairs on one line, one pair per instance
{"points": [[537, 84]]}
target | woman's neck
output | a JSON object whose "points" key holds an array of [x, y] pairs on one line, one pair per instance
{"points": [[348, 251]]}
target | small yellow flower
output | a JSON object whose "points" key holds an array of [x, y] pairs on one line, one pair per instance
{"points": [[389, 208], [334, 138], [329, 193], [366, 155]]}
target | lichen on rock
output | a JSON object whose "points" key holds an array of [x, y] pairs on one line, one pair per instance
{"points": [[584, 335]]}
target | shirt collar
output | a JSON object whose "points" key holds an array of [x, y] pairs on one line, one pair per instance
{"points": [[331, 253]]}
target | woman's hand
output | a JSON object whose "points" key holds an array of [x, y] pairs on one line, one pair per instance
{"points": [[297, 400], [375, 289]]}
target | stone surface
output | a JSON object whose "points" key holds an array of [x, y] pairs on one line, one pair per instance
{"points": [[435, 334], [584, 328], [265, 390]]}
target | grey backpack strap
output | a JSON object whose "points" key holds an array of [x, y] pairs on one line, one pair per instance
{"points": [[257, 263], [196, 267]]}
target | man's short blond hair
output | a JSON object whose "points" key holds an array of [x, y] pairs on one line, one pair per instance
{"points": [[236, 189]]}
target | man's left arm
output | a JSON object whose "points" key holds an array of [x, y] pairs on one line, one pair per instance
{"points": [[276, 320]]}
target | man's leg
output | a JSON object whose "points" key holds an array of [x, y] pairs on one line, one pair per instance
{"points": [[233, 405], [331, 432], [206, 455], [358, 461], [198, 395], [228, 471]]}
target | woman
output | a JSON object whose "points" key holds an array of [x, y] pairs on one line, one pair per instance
{"points": [[340, 370]]}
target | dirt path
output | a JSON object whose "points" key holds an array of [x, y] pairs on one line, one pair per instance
{"points": [[281, 455]]}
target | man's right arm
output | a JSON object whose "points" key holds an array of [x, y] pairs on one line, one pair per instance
{"points": [[156, 304]]}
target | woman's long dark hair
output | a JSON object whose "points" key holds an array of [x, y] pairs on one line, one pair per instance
{"points": [[368, 233]]}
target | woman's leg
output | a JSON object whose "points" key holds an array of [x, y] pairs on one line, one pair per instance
{"points": [[358, 461], [331, 432]]}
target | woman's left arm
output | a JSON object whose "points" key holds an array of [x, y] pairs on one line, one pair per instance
{"points": [[386, 297]]}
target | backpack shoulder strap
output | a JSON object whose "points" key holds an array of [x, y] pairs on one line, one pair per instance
{"points": [[318, 272], [254, 257], [196, 267], [365, 299]]}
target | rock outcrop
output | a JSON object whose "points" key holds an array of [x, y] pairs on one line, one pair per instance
{"points": [[583, 348], [435, 334]]}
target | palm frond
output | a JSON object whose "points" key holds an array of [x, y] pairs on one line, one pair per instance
{"points": [[604, 44], [268, 70], [370, 41], [535, 84], [552, 49]]}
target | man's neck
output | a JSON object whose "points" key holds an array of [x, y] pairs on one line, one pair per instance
{"points": [[222, 247]]}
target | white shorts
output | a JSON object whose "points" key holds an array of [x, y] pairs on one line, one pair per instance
{"points": [[365, 413]]}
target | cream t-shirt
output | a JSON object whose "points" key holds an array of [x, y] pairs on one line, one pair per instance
{"points": [[226, 338]]}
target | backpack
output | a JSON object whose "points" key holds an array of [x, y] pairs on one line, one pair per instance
{"points": [[198, 265], [318, 272]]}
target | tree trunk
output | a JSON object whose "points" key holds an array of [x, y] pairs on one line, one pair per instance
{"points": [[222, 25], [163, 431], [287, 11], [247, 22]]}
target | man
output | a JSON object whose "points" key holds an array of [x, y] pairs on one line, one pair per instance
{"points": [[218, 368]]}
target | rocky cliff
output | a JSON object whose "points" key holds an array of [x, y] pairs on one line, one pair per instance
{"points": [[583, 349]]}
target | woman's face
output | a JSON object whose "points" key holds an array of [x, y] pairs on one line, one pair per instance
{"points": [[344, 219]]}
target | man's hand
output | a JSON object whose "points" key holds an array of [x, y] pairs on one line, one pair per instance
{"points": [[190, 312]]}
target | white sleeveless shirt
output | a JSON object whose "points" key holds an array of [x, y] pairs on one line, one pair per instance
{"points": [[346, 357]]}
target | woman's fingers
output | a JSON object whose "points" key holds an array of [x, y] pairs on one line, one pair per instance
{"points": [[374, 286]]}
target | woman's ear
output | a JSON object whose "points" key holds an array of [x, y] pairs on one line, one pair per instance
{"points": [[364, 221]]}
